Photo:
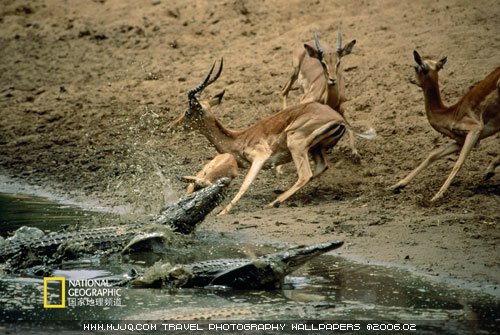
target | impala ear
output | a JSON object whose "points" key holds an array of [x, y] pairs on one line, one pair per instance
{"points": [[440, 64], [311, 51], [422, 67], [216, 99], [347, 49], [417, 58]]}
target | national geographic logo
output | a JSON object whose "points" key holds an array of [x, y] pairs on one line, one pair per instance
{"points": [[62, 292], [88, 292]]}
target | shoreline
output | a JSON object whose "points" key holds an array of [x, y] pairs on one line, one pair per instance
{"points": [[17, 186], [473, 286]]}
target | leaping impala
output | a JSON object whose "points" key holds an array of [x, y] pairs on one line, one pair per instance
{"points": [[472, 118], [291, 134], [319, 72]]}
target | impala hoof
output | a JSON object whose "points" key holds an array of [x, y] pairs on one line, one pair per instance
{"points": [[489, 175], [223, 212], [276, 204], [396, 189], [436, 198], [356, 158]]}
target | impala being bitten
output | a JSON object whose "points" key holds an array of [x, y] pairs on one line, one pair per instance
{"points": [[289, 135], [319, 72], [221, 166], [474, 117]]}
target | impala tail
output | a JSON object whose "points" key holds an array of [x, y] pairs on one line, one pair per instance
{"points": [[368, 134]]}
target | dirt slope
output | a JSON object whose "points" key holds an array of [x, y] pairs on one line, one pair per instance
{"points": [[87, 89]]}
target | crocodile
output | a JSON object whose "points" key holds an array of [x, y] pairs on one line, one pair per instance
{"points": [[181, 217], [264, 272]]}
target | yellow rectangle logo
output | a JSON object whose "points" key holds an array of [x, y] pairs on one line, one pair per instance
{"points": [[63, 292]]}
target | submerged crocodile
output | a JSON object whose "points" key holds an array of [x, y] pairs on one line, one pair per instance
{"points": [[264, 272], [182, 217]]}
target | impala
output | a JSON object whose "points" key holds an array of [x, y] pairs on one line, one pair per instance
{"points": [[474, 117], [289, 135], [319, 73], [223, 165]]}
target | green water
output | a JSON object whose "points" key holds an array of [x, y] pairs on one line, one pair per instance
{"points": [[24, 210], [327, 288]]}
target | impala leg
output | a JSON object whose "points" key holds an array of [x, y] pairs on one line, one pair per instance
{"points": [[433, 156], [249, 178], [190, 188], [356, 157], [328, 136], [301, 161], [288, 86], [470, 142], [192, 183], [195, 182], [320, 162], [279, 170], [490, 171]]}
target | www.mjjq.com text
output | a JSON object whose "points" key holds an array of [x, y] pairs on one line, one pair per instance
{"points": [[247, 326]]}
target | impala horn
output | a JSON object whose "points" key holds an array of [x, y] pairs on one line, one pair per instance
{"points": [[207, 81], [339, 41], [318, 46]]}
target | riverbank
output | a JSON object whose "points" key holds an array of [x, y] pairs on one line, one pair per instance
{"points": [[382, 238]]}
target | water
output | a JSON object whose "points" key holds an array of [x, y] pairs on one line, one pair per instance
{"points": [[24, 210], [327, 288]]}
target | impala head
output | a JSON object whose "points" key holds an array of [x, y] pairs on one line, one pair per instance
{"points": [[329, 59], [426, 70], [199, 110]]}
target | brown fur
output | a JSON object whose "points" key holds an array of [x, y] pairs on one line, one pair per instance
{"points": [[474, 117], [222, 165], [289, 135], [314, 79]]}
